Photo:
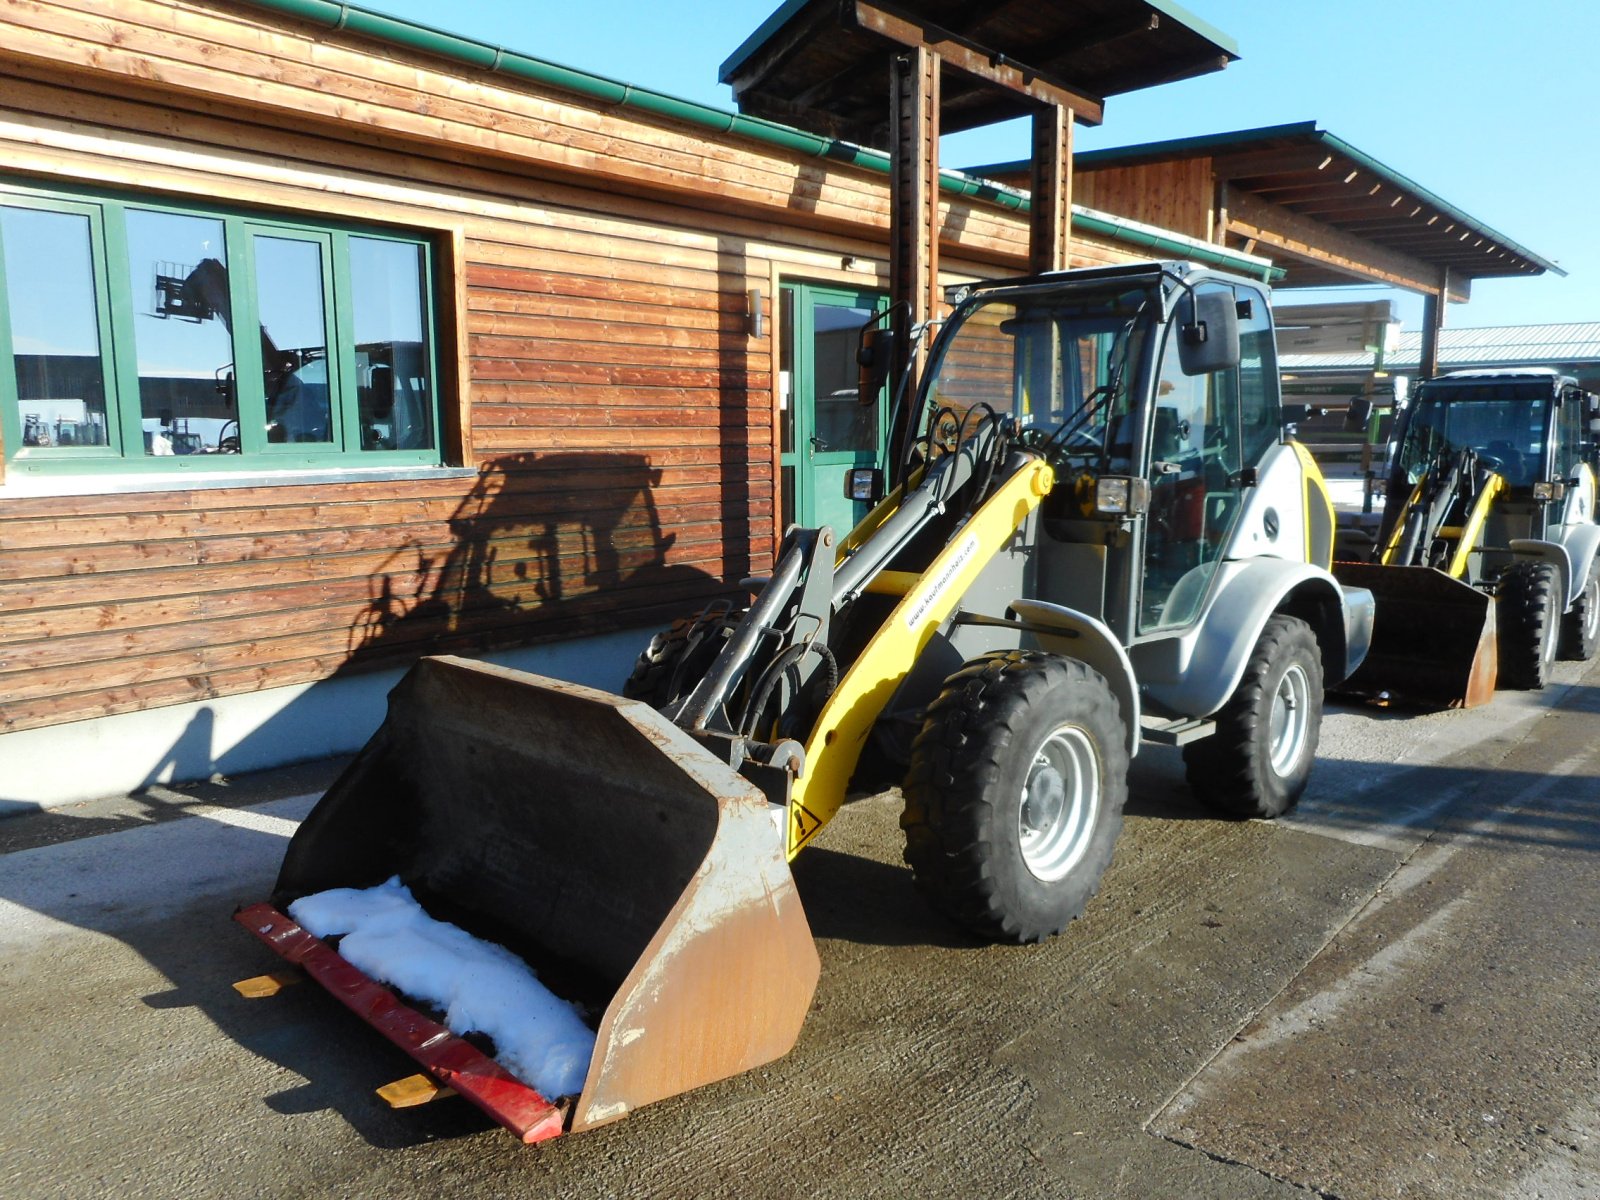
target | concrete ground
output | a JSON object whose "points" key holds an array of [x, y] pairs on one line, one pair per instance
{"points": [[1391, 993]]}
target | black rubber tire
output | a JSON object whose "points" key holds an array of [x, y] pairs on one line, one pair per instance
{"points": [[981, 742], [1232, 770], [1527, 613], [656, 679], [1580, 628]]}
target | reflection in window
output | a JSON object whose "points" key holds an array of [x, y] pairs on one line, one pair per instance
{"points": [[178, 268], [842, 423], [55, 334], [294, 339], [392, 354]]}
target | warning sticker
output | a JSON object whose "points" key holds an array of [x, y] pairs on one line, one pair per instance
{"points": [[805, 821]]}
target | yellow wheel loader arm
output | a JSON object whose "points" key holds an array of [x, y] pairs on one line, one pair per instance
{"points": [[834, 746]]}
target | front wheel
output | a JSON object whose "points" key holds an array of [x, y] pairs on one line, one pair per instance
{"points": [[1015, 794], [1258, 761], [1527, 613]]}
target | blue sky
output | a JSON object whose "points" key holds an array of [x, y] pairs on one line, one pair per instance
{"points": [[1490, 106]]}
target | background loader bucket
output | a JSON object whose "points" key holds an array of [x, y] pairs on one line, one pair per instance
{"points": [[629, 866], [1433, 638]]}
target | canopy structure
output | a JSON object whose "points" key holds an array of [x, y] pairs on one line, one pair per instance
{"points": [[1324, 211], [903, 73], [1293, 190], [821, 64]]}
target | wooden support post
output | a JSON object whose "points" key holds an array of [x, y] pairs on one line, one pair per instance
{"points": [[914, 216], [1050, 219], [1433, 307]]}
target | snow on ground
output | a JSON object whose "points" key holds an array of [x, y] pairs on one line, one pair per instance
{"points": [[480, 987]]}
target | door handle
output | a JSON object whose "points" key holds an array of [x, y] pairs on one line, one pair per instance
{"points": [[817, 444]]}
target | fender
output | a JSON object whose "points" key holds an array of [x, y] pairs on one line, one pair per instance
{"points": [[1583, 544], [1195, 673], [1553, 553], [1090, 642], [1574, 556]]}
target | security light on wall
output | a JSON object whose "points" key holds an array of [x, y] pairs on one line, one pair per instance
{"points": [[757, 324]]}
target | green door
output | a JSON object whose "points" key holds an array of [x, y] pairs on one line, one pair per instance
{"points": [[823, 431]]}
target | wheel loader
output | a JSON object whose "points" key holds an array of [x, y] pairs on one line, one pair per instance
{"points": [[1485, 567], [1095, 534]]}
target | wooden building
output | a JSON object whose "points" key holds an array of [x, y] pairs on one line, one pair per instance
{"points": [[328, 341]]}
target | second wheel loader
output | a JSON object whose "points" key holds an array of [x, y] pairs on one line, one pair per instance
{"points": [[1485, 565], [1102, 537]]}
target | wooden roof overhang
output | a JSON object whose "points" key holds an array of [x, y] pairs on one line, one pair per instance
{"points": [[821, 64], [1330, 214]]}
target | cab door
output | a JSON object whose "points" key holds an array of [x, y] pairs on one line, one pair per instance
{"points": [[1208, 432], [823, 431]]}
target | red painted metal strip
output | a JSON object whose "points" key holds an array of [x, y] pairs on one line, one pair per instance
{"points": [[448, 1058]]}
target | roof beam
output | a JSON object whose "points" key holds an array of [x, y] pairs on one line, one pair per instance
{"points": [[967, 56], [1274, 226]]}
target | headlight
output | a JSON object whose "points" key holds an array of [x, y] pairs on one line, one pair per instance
{"points": [[1121, 496]]}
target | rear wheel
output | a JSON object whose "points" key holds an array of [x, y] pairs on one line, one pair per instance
{"points": [[1258, 761], [1527, 614], [678, 658], [1580, 628], [1015, 794]]}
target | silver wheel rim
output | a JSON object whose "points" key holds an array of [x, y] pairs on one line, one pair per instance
{"points": [[1060, 802], [1289, 720]]}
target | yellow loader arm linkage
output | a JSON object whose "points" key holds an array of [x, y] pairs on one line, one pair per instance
{"points": [[835, 744]]}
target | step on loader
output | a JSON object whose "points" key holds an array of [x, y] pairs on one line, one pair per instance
{"points": [[1485, 570], [1098, 534]]}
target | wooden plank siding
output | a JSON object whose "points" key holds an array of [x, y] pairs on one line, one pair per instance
{"points": [[618, 413], [1174, 195]]}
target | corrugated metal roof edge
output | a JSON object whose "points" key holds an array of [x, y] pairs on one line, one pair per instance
{"points": [[1473, 344], [335, 15]]}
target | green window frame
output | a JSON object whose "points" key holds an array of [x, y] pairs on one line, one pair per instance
{"points": [[335, 376]]}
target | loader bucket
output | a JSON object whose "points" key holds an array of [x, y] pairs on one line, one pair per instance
{"points": [[1433, 638], [631, 868]]}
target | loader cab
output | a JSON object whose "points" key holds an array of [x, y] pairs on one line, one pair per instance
{"points": [[1528, 426], [1153, 441]]}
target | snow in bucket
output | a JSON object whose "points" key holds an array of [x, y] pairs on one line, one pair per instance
{"points": [[479, 986]]}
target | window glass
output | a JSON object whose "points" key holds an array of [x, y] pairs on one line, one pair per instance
{"points": [[294, 345], [1261, 417], [178, 268], [786, 375], [393, 384], [55, 329], [1573, 433], [841, 422], [139, 335], [1200, 437]]}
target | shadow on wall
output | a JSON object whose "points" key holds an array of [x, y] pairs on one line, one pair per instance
{"points": [[545, 549], [601, 562]]}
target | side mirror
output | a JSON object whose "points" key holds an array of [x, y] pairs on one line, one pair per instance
{"points": [[1357, 415], [874, 360], [1209, 338]]}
